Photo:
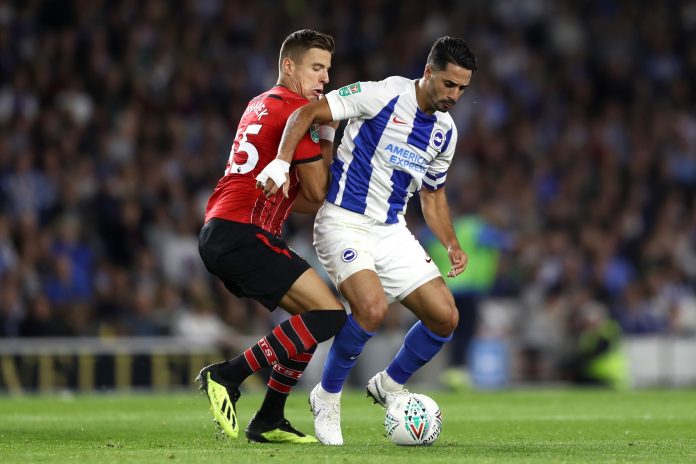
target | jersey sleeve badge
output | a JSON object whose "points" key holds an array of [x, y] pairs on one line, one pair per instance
{"points": [[349, 89]]}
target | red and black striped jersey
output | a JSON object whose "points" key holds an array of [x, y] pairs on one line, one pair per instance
{"points": [[236, 197]]}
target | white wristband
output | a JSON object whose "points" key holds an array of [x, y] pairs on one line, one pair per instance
{"points": [[327, 132], [276, 170]]}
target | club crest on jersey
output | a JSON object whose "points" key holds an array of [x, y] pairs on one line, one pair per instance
{"points": [[349, 255], [349, 89], [314, 133], [437, 139]]}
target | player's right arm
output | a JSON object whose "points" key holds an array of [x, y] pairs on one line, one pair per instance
{"points": [[299, 123], [359, 100], [297, 126]]}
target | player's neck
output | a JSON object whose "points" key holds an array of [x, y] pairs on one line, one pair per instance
{"points": [[290, 85], [422, 98]]}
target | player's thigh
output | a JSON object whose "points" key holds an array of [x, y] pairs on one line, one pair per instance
{"points": [[401, 262], [308, 293], [365, 295], [250, 261], [343, 242], [433, 304]]}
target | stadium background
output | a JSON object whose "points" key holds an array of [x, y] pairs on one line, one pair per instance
{"points": [[577, 141]]}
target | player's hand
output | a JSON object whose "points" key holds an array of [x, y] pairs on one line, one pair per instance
{"points": [[274, 176], [459, 260]]}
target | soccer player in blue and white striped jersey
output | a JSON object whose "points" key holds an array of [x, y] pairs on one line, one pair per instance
{"points": [[399, 139]]}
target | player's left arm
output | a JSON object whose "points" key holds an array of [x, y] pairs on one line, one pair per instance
{"points": [[437, 215], [314, 174], [301, 205]]}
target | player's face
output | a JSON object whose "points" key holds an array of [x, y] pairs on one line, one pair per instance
{"points": [[311, 74], [445, 87]]}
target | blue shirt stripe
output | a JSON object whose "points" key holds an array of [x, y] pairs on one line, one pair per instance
{"points": [[429, 187], [422, 128], [448, 137], [397, 199], [336, 173], [360, 169], [435, 177]]}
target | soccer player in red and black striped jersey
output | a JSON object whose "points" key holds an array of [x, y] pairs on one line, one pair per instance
{"points": [[240, 243]]}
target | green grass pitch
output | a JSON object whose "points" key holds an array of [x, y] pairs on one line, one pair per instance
{"points": [[559, 426]]}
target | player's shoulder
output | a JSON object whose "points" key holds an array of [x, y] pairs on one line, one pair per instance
{"points": [[446, 119], [285, 94], [280, 96], [399, 82], [395, 85], [446, 124]]}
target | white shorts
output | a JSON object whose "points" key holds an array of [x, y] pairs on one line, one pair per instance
{"points": [[348, 242]]}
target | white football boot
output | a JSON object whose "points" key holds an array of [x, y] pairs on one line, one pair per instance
{"points": [[326, 408], [383, 390]]}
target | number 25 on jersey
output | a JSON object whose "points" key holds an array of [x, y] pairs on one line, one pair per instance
{"points": [[236, 163]]}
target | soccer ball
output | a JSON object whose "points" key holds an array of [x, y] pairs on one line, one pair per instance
{"points": [[413, 419]]}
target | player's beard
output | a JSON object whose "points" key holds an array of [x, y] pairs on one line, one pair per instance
{"points": [[445, 105]]}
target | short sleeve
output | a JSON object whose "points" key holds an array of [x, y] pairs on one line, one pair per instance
{"points": [[308, 149], [359, 100]]}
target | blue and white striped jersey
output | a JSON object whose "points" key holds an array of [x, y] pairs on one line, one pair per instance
{"points": [[390, 148]]}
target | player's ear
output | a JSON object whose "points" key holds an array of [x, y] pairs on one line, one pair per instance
{"points": [[428, 72], [287, 65]]}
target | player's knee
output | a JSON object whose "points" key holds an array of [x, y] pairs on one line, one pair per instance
{"points": [[452, 320], [444, 323], [370, 316]]}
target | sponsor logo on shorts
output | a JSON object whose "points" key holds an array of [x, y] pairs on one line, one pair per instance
{"points": [[349, 255]]}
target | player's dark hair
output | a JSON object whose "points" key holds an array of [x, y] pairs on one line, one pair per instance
{"points": [[451, 50], [299, 42]]}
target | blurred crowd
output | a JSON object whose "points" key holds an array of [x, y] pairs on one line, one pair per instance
{"points": [[577, 139]]}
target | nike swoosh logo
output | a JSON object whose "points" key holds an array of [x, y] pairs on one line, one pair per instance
{"points": [[397, 121]]}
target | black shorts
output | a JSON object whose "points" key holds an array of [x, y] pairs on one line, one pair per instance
{"points": [[250, 261]]}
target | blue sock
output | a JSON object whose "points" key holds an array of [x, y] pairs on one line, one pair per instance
{"points": [[345, 349], [420, 346]]}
